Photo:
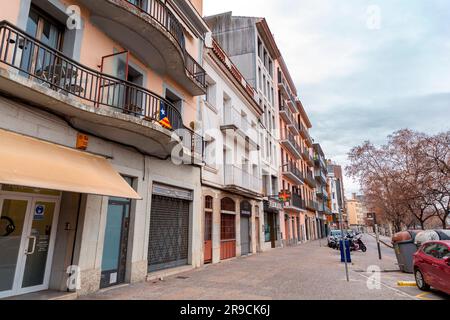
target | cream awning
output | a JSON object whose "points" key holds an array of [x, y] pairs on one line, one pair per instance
{"points": [[30, 162]]}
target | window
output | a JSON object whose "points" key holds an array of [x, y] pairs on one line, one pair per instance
{"points": [[210, 153], [50, 32], [208, 203], [211, 94], [437, 251], [264, 84], [228, 227], [260, 78], [271, 67], [228, 204]]}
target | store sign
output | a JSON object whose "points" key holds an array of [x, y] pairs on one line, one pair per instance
{"points": [[246, 208]]}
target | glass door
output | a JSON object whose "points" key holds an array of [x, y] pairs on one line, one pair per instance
{"points": [[39, 247], [27, 236], [13, 216], [116, 242]]}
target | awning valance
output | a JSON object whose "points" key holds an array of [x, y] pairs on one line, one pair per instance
{"points": [[26, 161]]}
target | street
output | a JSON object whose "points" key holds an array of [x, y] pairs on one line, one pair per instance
{"points": [[308, 272]]}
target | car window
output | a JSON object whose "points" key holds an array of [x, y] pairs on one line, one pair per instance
{"points": [[441, 252], [430, 249]]}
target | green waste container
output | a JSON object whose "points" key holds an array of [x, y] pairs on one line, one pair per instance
{"points": [[405, 248]]}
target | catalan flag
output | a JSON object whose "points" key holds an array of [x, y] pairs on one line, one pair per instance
{"points": [[164, 117]]}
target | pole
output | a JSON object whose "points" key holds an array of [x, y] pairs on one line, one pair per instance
{"points": [[343, 243], [377, 234]]}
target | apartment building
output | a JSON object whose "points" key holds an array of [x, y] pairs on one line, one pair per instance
{"points": [[232, 183], [250, 46], [100, 176], [337, 194], [292, 164], [309, 189], [356, 211], [324, 214]]}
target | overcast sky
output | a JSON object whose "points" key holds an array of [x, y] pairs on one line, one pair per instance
{"points": [[363, 69]]}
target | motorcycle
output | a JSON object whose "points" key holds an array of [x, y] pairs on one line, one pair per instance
{"points": [[356, 244]]}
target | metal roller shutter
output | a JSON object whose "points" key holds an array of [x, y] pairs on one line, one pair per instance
{"points": [[169, 233], [245, 235]]}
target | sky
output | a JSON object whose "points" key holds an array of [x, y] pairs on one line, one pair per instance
{"points": [[363, 69]]}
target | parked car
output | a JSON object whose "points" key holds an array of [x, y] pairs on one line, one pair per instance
{"points": [[432, 266]]}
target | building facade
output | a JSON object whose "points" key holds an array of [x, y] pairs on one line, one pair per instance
{"points": [[98, 104], [231, 178], [324, 214], [356, 211], [337, 194], [255, 58]]}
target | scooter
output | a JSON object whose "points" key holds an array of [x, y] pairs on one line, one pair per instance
{"points": [[356, 244]]}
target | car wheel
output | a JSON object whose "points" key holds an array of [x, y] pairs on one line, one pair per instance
{"points": [[420, 281]]}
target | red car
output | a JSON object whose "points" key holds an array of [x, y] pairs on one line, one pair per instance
{"points": [[432, 266]]}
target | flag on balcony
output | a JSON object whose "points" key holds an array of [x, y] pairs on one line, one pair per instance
{"points": [[164, 117]]}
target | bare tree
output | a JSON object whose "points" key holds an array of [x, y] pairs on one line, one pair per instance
{"points": [[408, 179]]}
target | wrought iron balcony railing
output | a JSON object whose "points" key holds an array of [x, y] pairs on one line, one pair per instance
{"points": [[309, 179], [159, 12], [52, 69], [293, 172]]}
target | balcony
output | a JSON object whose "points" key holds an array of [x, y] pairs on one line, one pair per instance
{"points": [[293, 173], [286, 115], [312, 205], [295, 128], [319, 162], [153, 34], [307, 157], [320, 176], [236, 121], [322, 193], [239, 180], [91, 101], [283, 85], [305, 135], [286, 92], [310, 181], [289, 143], [273, 204], [296, 203]]}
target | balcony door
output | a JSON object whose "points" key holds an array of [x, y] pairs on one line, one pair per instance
{"points": [[36, 61]]}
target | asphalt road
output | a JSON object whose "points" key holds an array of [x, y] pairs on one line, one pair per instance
{"points": [[308, 272]]}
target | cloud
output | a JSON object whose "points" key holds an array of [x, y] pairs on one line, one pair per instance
{"points": [[359, 83]]}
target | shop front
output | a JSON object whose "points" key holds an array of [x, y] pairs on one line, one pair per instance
{"points": [[271, 223], [32, 195]]}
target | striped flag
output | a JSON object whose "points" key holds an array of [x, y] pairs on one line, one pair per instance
{"points": [[164, 117]]}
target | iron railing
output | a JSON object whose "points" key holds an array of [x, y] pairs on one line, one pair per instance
{"points": [[290, 138], [296, 202], [291, 168], [159, 12], [310, 180], [52, 69]]}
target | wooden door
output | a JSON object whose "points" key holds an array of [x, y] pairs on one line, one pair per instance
{"points": [[208, 237]]}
